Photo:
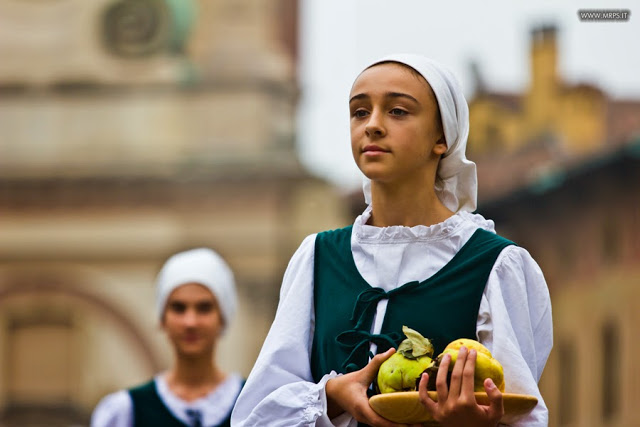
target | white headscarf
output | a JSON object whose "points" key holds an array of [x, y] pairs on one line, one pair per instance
{"points": [[456, 182], [202, 266]]}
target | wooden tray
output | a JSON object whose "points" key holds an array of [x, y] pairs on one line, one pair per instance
{"points": [[405, 407]]}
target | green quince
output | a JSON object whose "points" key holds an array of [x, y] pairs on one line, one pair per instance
{"points": [[400, 371]]}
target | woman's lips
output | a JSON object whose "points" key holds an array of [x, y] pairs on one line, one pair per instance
{"points": [[372, 150], [190, 338]]}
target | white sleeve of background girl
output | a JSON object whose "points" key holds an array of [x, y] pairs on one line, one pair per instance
{"points": [[114, 410], [280, 390], [515, 323]]}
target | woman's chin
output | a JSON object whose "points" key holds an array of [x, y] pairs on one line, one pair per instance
{"points": [[375, 173], [192, 349]]}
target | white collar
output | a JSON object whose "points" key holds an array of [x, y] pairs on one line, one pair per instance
{"points": [[400, 233]]}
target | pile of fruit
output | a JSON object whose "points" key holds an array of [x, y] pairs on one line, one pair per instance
{"points": [[402, 371]]}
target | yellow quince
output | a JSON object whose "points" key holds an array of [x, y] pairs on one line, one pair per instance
{"points": [[486, 365]]}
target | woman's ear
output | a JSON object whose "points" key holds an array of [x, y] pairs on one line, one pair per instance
{"points": [[440, 146]]}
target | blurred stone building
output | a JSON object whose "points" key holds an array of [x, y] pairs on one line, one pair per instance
{"points": [[559, 173], [129, 130], [582, 225], [553, 124]]}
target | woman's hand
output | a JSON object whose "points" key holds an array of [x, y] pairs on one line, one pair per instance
{"points": [[348, 393], [456, 405]]}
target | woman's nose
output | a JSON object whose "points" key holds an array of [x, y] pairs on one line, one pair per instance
{"points": [[375, 126], [190, 317]]}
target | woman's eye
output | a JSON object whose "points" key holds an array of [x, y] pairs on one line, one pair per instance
{"points": [[397, 112], [177, 307], [205, 307], [360, 113]]}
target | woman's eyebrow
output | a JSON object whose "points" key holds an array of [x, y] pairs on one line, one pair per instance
{"points": [[358, 97], [388, 95], [401, 95]]}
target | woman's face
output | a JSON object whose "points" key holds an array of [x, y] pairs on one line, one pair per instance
{"points": [[192, 320], [396, 136]]}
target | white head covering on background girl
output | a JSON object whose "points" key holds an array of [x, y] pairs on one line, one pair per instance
{"points": [[456, 181], [202, 266]]}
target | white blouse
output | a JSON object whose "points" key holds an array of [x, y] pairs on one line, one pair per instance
{"points": [[514, 320], [116, 409]]}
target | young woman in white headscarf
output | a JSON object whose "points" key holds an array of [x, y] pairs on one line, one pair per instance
{"points": [[416, 256], [195, 301]]}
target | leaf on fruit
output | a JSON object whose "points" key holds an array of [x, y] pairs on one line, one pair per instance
{"points": [[415, 345]]}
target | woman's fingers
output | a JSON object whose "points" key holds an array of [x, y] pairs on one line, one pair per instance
{"points": [[496, 404], [371, 370], [348, 393], [456, 405], [424, 395], [367, 374], [456, 373], [365, 413], [441, 379], [378, 359], [468, 373]]}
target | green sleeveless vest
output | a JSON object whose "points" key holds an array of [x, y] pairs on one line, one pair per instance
{"points": [[150, 411], [442, 308]]}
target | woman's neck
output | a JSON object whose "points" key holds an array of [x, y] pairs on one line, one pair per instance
{"points": [[407, 207], [191, 379]]}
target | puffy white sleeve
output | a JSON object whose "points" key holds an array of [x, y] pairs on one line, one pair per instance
{"points": [[114, 410], [280, 390], [515, 323]]}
